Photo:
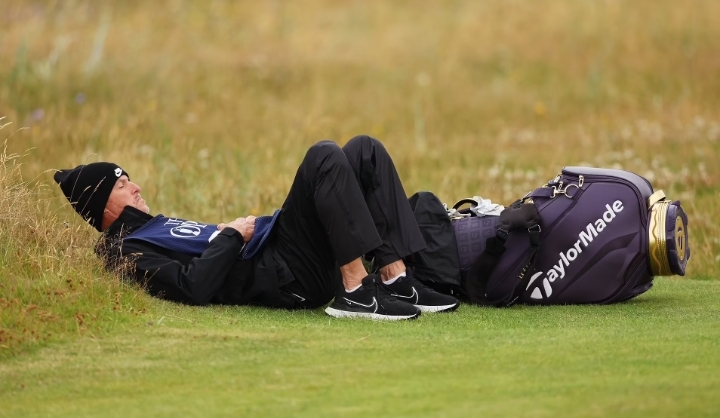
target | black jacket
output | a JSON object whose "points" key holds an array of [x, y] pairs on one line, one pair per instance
{"points": [[217, 276]]}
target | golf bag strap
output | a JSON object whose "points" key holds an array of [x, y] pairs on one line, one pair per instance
{"points": [[482, 267], [524, 278], [542, 192], [471, 202], [517, 216]]}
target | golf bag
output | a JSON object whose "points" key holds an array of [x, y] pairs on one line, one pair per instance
{"points": [[588, 236], [472, 230]]}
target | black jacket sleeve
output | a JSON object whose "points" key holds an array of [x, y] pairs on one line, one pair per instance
{"points": [[194, 280]]}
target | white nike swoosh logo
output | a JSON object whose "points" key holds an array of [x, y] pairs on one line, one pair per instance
{"points": [[414, 295], [352, 302], [302, 299]]}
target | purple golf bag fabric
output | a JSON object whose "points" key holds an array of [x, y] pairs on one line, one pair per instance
{"points": [[471, 234], [604, 235]]}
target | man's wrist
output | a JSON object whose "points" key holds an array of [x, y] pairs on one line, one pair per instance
{"points": [[232, 232]]}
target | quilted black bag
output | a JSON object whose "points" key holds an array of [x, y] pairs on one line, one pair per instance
{"points": [[437, 265]]}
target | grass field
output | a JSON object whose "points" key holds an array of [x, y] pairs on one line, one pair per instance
{"points": [[656, 356], [210, 106]]}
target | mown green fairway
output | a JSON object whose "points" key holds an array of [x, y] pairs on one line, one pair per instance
{"points": [[210, 106], [656, 356]]}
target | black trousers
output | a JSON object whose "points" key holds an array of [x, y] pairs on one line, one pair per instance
{"points": [[344, 203]]}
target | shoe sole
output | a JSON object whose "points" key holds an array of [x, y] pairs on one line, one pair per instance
{"points": [[336, 313], [440, 308]]}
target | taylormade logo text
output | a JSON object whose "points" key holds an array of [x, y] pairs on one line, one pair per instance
{"points": [[585, 238]]}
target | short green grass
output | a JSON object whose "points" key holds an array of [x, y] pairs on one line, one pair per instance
{"points": [[654, 356], [210, 106]]}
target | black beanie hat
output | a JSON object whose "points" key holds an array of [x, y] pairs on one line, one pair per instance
{"points": [[88, 188]]}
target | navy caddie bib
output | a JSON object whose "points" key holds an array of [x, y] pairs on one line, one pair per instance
{"points": [[193, 238]]}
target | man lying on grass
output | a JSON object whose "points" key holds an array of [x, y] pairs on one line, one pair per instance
{"points": [[343, 204]]}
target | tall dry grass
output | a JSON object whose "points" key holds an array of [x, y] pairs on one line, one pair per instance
{"points": [[210, 105], [51, 285]]}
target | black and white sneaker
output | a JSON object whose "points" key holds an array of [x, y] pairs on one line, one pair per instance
{"points": [[371, 301], [409, 289]]}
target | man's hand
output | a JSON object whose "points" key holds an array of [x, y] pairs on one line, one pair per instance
{"points": [[245, 226]]}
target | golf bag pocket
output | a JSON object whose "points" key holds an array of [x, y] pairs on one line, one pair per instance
{"points": [[604, 235], [471, 233]]}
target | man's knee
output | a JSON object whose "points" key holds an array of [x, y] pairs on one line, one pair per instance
{"points": [[364, 143], [323, 151], [324, 147]]}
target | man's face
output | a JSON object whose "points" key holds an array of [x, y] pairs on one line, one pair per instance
{"points": [[125, 193]]}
